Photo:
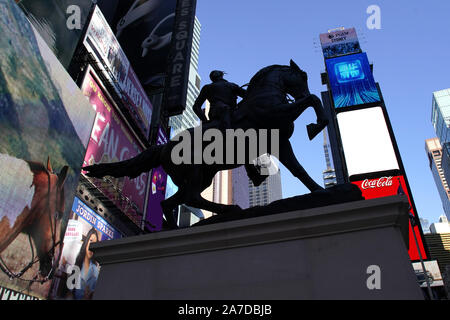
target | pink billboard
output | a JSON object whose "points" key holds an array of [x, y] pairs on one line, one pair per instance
{"points": [[102, 43], [111, 141]]}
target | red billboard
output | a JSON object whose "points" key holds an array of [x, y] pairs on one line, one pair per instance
{"points": [[111, 141], [390, 186]]}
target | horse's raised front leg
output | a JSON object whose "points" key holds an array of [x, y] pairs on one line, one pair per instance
{"points": [[288, 159], [295, 109]]}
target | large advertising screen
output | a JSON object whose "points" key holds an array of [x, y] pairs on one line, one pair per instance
{"points": [[157, 37], [45, 124], [339, 42], [157, 185], [111, 141], [390, 186], [366, 141], [78, 270], [102, 43], [144, 30], [59, 22], [351, 81]]}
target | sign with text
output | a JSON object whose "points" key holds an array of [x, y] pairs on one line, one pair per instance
{"points": [[179, 59], [111, 141], [102, 43], [390, 186], [78, 266], [340, 42]]}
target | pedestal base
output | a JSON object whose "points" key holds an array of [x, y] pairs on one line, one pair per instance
{"points": [[321, 253]]}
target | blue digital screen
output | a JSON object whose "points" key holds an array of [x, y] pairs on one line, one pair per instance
{"points": [[351, 81]]}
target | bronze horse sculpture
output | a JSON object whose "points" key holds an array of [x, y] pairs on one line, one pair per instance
{"points": [[39, 217], [266, 106]]}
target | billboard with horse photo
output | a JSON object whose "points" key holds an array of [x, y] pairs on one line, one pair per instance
{"points": [[45, 125]]}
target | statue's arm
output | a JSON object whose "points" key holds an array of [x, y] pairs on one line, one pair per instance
{"points": [[197, 107], [239, 91]]}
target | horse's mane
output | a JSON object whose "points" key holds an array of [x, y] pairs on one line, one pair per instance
{"points": [[262, 73]]}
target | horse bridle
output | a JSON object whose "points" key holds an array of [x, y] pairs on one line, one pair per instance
{"points": [[12, 275]]}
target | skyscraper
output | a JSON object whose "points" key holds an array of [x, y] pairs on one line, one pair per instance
{"points": [[188, 119], [440, 118], [269, 190], [329, 175], [434, 151]]}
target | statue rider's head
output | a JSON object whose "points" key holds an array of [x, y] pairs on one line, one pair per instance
{"points": [[216, 75]]}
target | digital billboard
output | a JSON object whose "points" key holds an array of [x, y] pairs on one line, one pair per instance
{"points": [[366, 141], [102, 43], [157, 185], [111, 141], [157, 37], [85, 227], [351, 81], [389, 186], [59, 22], [339, 42], [45, 124]]}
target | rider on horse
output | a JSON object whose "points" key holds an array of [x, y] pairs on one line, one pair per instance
{"points": [[222, 96]]}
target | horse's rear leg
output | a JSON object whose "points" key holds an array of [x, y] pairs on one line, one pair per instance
{"points": [[288, 159], [168, 206], [195, 199]]}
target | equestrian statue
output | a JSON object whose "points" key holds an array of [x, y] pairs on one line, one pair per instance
{"points": [[265, 105]]}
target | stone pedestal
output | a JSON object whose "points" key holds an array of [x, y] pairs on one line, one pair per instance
{"points": [[321, 253]]}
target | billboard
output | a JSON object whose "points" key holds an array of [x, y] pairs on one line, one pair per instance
{"points": [[45, 123], [102, 43], [157, 37], [366, 141], [8, 294], [340, 42], [179, 59], [85, 227], [157, 185], [388, 186], [351, 81], [111, 140], [59, 22]]}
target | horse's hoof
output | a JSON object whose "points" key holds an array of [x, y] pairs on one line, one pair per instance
{"points": [[315, 128]]}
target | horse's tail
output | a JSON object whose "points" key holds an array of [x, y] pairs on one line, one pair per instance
{"points": [[144, 162]]}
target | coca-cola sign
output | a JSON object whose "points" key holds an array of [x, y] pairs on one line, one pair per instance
{"points": [[390, 186], [376, 183]]}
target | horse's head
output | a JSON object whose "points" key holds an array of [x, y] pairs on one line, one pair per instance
{"points": [[295, 81], [277, 79], [48, 208]]}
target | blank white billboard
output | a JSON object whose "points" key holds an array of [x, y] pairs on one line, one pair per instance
{"points": [[366, 141]]}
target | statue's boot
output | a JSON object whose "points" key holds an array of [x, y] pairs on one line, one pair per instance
{"points": [[315, 128]]}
